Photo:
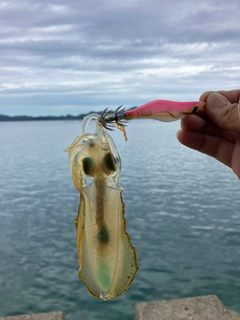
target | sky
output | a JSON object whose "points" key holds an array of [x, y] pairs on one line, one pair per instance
{"points": [[76, 56]]}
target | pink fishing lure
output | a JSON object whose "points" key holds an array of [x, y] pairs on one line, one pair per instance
{"points": [[164, 110]]}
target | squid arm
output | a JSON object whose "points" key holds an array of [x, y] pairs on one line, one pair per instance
{"points": [[107, 259]]}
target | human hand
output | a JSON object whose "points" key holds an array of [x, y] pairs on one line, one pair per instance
{"points": [[215, 130]]}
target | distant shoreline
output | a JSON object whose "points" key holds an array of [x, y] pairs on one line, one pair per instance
{"points": [[5, 118], [41, 118]]}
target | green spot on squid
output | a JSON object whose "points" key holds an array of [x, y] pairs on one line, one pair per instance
{"points": [[104, 277]]}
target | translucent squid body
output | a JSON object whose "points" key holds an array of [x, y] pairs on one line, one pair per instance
{"points": [[107, 260]]}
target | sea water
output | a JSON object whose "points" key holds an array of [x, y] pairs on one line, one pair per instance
{"points": [[182, 208]]}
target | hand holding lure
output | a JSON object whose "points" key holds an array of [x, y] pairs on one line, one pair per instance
{"points": [[107, 260], [162, 110]]}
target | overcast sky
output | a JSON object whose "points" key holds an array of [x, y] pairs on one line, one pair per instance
{"points": [[61, 57]]}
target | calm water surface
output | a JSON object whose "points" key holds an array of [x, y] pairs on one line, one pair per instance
{"points": [[183, 212]]}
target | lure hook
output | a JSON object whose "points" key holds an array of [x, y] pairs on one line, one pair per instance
{"points": [[109, 120]]}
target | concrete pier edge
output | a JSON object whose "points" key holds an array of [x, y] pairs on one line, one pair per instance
{"points": [[37, 316], [197, 308]]}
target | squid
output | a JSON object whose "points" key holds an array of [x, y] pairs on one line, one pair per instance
{"points": [[107, 259]]}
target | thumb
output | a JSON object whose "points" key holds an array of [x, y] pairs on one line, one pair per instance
{"points": [[222, 112]]}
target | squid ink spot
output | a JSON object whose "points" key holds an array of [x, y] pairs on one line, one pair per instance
{"points": [[103, 235], [91, 143], [108, 159], [87, 164]]}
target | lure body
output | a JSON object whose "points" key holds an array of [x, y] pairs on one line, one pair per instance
{"points": [[162, 110], [107, 260]]}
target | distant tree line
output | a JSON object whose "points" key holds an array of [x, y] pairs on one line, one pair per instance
{"points": [[29, 118]]}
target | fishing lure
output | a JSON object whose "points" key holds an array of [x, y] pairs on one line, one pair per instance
{"points": [[107, 259], [162, 110]]}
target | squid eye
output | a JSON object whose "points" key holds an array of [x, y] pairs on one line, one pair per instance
{"points": [[87, 166], [109, 161]]}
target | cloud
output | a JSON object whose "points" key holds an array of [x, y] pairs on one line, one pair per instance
{"points": [[59, 58]]}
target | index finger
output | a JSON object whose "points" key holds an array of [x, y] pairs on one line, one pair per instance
{"points": [[233, 95]]}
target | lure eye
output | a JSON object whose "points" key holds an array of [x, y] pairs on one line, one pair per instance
{"points": [[195, 109]]}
